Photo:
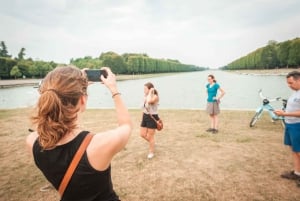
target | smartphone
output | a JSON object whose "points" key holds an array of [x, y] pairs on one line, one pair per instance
{"points": [[94, 75]]}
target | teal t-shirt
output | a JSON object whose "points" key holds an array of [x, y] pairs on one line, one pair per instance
{"points": [[212, 91]]}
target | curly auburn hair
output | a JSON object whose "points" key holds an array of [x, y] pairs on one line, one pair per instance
{"points": [[57, 107]]}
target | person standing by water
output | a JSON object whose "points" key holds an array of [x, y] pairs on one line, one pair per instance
{"points": [[292, 125], [148, 125], [213, 102], [63, 99]]}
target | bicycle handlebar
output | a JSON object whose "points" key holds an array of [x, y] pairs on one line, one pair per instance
{"points": [[263, 97]]}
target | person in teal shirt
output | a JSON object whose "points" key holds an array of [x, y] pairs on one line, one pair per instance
{"points": [[214, 94]]}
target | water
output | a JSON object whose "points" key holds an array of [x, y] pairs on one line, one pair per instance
{"points": [[180, 91]]}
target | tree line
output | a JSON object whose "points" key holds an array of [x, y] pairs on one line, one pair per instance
{"points": [[20, 67], [274, 55], [128, 63], [134, 63]]}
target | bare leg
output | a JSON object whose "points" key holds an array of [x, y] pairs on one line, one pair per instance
{"points": [[148, 135], [296, 159], [211, 117], [151, 140], [216, 121], [143, 133]]}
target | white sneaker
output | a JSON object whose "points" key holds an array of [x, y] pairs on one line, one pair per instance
{"points": [[150, 155]]}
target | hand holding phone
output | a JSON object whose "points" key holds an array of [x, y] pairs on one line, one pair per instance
{"points": [[94, 75]]}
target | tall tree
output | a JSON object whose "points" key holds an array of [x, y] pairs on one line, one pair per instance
{"points": [[114, 61], [269, 55], [283, 53], [3, 50], [21, 54], [294, 53], [6, 64]]}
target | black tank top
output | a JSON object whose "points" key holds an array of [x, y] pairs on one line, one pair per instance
{"points": [[86, 184]]}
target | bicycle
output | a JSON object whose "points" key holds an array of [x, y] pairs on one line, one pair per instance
{"points": [[266, 106]]}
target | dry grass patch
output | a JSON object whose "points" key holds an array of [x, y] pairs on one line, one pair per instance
{"points": [[239, 163]]}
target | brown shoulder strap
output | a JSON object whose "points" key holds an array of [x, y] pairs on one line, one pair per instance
{"points": [[65, 181], [150, 114]]}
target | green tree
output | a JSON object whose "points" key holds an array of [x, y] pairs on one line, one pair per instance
{"points": [[107, 54], [24, 66], [15, 72], [87, 62], [269, 55], [283, 53], [133, 64], [6, 64], [34, 71], [114, 61], [21, 54], [3, 50], [258, 60], [127, 55], [41, 68], [294, 53]]}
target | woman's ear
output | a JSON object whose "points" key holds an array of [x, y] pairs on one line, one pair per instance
{"points": [[82, 103]]}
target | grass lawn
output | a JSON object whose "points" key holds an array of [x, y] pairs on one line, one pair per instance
{"points": [[238, 164]]}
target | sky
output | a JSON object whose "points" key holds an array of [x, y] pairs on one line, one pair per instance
{"points": [[203, 33]]}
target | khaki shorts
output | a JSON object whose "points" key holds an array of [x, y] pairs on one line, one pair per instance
{"points": [[212, 108]]}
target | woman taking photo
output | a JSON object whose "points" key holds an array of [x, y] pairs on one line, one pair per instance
{"points": [[62, 101], [150, 111]]}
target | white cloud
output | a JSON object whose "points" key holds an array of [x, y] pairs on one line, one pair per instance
{"points": [[197, 32]]}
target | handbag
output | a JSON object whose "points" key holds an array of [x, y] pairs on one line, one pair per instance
{"points": [[78, 155], [159, 122]]}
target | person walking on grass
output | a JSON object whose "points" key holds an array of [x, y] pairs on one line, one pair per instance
{"points": [[63, 99], [213, 102], [292, 125], [150, 108]]}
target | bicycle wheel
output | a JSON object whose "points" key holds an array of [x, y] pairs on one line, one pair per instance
{"points": [[254, 119]]}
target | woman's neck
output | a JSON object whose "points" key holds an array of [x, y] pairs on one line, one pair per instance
{"points": [[69, 136]]}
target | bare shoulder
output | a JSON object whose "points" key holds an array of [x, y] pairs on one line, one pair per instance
{"points": [[102, 138], [31, 138]]}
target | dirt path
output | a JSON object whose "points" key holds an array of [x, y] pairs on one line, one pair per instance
{"points": [[18, 82]]}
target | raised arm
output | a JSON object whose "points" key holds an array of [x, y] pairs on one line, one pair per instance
{"points": [[152, 97], [105, 145]]}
